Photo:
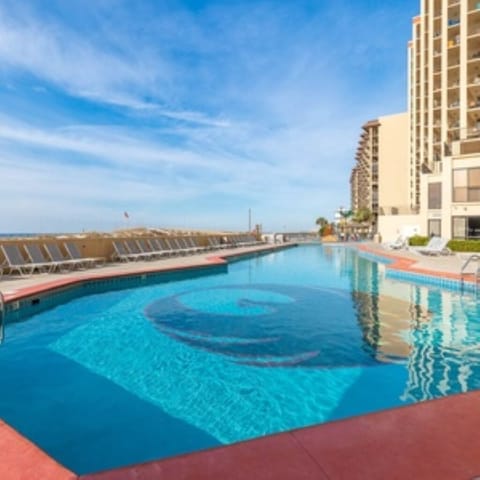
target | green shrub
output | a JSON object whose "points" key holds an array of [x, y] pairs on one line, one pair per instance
{"points": [[418, 241], [464, 245]]}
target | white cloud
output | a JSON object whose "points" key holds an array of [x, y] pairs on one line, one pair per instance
{"points": [[266, 114]]}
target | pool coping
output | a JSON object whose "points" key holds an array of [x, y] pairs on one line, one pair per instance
{"points": [[318, 452], [403, 268]]}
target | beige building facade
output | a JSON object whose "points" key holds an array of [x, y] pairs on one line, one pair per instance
{"points": [[444, 104], [380, 178]]}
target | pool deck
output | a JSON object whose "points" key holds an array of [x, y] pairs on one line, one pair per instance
{"points": [[437, 439]]}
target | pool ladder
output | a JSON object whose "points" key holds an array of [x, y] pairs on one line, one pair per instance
{"points": [[2, 317], [471, 258]]}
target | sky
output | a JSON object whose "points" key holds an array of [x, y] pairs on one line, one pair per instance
{"points": [[186, 114]]}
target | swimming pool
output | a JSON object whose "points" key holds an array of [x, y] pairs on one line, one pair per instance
{"points": [[293, 338]]}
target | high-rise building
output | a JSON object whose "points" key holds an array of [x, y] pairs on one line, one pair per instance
{"points": [[444, 107], [364, 178], [379, 179]]}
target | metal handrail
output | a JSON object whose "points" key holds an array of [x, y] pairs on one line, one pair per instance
{"points": [[2, 317], [469, 259]]}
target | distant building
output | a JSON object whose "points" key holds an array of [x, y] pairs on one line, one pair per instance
{"points": [[380, 178]]}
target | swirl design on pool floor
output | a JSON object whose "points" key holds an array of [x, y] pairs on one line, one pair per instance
{"points": [[267, 325]]}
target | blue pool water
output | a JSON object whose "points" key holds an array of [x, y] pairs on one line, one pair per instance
{"points": [[294, 338]]}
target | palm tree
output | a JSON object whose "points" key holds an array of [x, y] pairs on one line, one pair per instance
{"points": [[363, 214], [323, 223]]}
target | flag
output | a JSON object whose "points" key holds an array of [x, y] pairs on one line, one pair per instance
{"points": [[125, 214]]}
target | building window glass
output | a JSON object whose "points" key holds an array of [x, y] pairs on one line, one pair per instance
{"points": [[435, 228], [473, 227], [459, 227], [466, 185], [435, 195], [466, 227]]}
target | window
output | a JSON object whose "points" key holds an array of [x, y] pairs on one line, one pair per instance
{"points": [[460, 185], [434, 195], [473, 227], [435, 228], [459, 227], [466, 227], [466, 185]]}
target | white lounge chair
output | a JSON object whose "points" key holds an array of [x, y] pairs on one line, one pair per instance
{"points": [[134, 249], [400, 242], [122, 254], [15, 262], [57, 257], [74, 253], [147, 248], [37, 257], [435, 246], [160, 248]]}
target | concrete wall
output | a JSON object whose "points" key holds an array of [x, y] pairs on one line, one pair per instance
{"points": [[391, 226]]}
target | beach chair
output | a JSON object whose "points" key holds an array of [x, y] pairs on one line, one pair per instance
{"points": [[216, 244], [15, 262], [177, 246], [399, 243], [186, 245], [121, 253], [196, 244], [134, 249], [188, 241], [435, 246], [146, 247], [36, 256], [156, 246], [74, 254], [228, 242], [167, 246], [56, 256]]}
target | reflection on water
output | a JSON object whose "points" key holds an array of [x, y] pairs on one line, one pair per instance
{"points": [[435, 333]]}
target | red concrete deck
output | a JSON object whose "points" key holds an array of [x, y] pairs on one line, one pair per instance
{"points": [[22, 460], [438, 440]]}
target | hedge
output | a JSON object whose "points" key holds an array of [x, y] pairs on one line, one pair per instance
{"points": [[464, 245], [454, 245], [418, 241]]}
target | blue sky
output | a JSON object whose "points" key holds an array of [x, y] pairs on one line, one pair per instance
{"points": [[187, 114]]}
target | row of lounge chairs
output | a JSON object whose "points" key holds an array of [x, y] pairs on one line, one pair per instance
{"points": [[154, 248], [49, 259]]}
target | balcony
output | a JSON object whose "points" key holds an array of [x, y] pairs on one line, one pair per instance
{"points": [[454, 42], [473, 7], [474, 57], [453, 23], [454, 104], [470, 140], [398, 210]]}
